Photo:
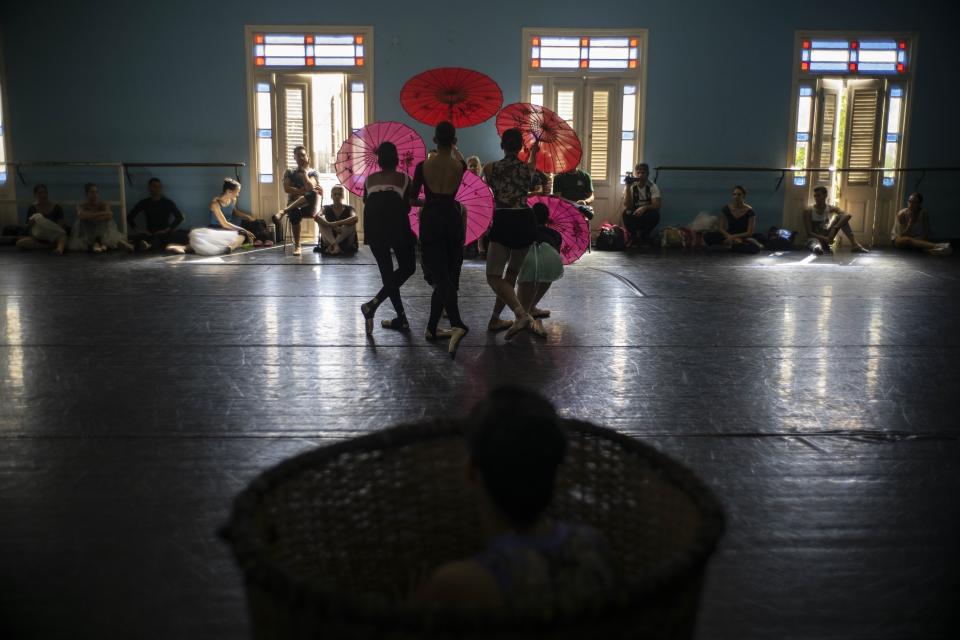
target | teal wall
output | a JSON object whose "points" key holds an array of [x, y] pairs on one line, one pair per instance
{"points": [[165, 81]]}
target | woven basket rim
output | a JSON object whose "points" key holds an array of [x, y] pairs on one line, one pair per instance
{"points": [[260, 572]]}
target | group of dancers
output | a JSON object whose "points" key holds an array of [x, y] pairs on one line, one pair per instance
{"points": [[388, 197]]}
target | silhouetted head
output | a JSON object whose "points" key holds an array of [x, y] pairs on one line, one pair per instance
{"points": [[387, 156], [155, 187], [445, 135], [40, 192], [542, 212], [915, 201], [511, 141], [516, 443]]}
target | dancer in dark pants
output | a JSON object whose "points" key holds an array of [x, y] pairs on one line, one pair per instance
{"points": [[441, 230], [386, 226]]}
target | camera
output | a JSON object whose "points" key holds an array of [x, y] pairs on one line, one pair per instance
{"points": [[629, 179]]}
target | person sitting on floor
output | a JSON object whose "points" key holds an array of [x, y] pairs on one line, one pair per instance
{"points": [[220, 236], [338, 225], [738, 222], [46, 224], [823, 222], [641, 205], [515, 445], [95, 229], [163, 219], [911, 230]]}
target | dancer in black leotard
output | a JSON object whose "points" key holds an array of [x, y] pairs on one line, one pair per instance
{"points": [[441, 230], [386, 226]]}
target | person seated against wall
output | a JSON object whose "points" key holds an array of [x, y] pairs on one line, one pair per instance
{"points": [[220, 235], [338, 225], [46, 225], [641, 205], [304, 194], [163, 220], [911, 229], [95, 229], [738, 223], [576, 186], [515, 444], [823, 222]]}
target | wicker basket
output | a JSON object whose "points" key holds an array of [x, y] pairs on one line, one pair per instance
{"points": [[332, 541]]}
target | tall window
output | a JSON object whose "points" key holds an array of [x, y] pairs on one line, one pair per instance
{"points": [[3, 140], [594, 80]]}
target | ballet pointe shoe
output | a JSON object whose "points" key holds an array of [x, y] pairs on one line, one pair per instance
{"points": [[456, 335], [519, 325], [368, 309], [436, 335]]}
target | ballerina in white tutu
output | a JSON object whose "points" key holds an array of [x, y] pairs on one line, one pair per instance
{"points": [[221, 236]]}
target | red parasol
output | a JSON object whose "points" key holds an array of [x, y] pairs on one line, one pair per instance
{"points": [[461, 96], [475, 195], [559, 144], [357, 157], [566, 219]]}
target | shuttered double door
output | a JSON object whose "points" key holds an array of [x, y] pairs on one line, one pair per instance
{"points": [[848, 135]]}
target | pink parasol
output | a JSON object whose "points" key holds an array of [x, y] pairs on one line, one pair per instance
{"points": [[566, 219], [475, 195], [357, 157], [559, 144]]}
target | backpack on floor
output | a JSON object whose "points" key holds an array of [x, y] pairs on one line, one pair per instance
{"points": [[612, 237], [780, 239], [671, 237]]}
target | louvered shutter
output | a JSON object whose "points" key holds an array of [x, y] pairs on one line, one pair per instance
{"points": [[566, 106], [862, 148], [829, 101], [294, 121], [599, 134]]}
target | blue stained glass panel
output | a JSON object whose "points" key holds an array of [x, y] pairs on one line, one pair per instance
{"points": [[799, 181], [309, 51], [896, 92], [853, 56], [806, 91], [830, 44], [281, 39], [535, 52], [626, 135], [263, 87], [359, 52], [901, 56], [333, 39], [264, 133], [266, 177], [878, 67], [805, 55], [893, 137], [803, 137], [1, 129], [356, 87], [258, 50], [878, 44], [334, 62], [829, 66], [889, 182], [3, 177], [629, 90]]}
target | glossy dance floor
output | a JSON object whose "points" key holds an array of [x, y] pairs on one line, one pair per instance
{"points": [[819, 399]]}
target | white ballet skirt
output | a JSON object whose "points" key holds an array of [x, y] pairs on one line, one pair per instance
{"points": [[86, 232], [42, 228], [211, 242]]}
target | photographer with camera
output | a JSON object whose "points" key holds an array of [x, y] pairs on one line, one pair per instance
{"points": [[641, 204]]}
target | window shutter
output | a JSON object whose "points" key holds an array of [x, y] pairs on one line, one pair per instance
{"points": [[599, 134], [829, 100], [565, 105], [294, 116], [865, 107]]}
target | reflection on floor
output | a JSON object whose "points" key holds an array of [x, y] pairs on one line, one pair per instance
{"points": [[138, 396]]}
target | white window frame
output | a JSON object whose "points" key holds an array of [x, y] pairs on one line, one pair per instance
{"points": [[253, 71], [796, 197], [638, 76]]}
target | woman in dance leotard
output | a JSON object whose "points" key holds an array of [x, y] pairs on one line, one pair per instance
{"points": [[441, 231], [386, 226]]}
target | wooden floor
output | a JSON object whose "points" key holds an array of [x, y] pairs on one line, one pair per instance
{"points": [[817, 397]]}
